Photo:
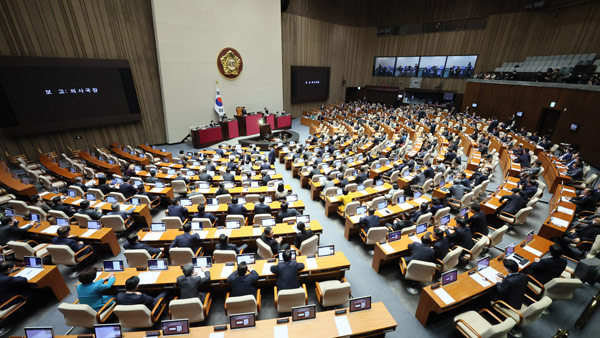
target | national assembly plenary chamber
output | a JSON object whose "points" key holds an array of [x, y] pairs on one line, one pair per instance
{"points": [[299, 168]]}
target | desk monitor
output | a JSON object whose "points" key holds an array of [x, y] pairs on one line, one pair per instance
{"points": [[445, 220], [202, 262], [94, 225], [72, 169], [381, 205], [529, 237], [107, 331], [268, 199], [111, 199], [61, 221], [190, 154], [71, 193], [361, 210], [421, 228], [248, 258], [268, 222], [203, 185], [360, 304], [158, 264], [377, 165], [463, 212], [212, 201], [254, 184], [291, 198], [111, 161], [113, 266], [442, 183], [360, 157], [175, 327], [90, 197], [450, 178], [38, 332], [304, 312], [303, 218], [2, 260], [241, 321], [196, 226], [185, 202], [158, 226], [509, 249], [35, 217], [394, 236], [33, 262], [235, 224], [137, 183], [339, 192], [241, 200], [135, 201], [118, 180], [326, 250], [159, 185], [406, 173], [271, 172], [417, 194], [9, 212], [360, 187], [137, 168], [378, 183], [228, 185], [483, 263], [280, 255], [401, 199], [449, 277], [171, 171]]}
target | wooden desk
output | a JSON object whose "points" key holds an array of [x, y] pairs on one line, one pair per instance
{"points": [[52, 279], [156, 152], [57, 170], [102, 165], [221, 209], [466, 288], [127, 156], [492, 203], [332, 203], [550, 230], [14, 184]]}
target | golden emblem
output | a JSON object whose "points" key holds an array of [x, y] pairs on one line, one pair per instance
{"points": [[231, 64]]}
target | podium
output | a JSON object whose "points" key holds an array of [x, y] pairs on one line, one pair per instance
{"points": [[204, 137], [271, 121], [229, 129], [248, 124], [265, 130], [284, 121]]}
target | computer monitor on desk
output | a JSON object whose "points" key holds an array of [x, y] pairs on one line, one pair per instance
{"points": [[326, 250], [248, 258], [234, 224], [90, 197], [304, 312], [463, 212], [94, 225], [483, 263], [111, 199], [361, 210], [175, 327], [529, 237], [360, 304], [509, 249], [242, 320], [71, 193], [291, 198], [158, 264], [401, 199], [303, 218], [185, 202], [417, 194], [38, 332], [202, 262], [449, 277], [268, 222], [108, 331], [394, 236], [445, 220], [381, 205], [33, 262], [9, 212], [158, 226], [113, 266], [280, 255], [421, 228]]}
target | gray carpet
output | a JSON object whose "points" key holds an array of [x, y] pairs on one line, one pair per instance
{"points": [[387, 286]]}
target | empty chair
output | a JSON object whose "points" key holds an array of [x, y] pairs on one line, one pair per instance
{"points": [[179, 187], [450, 260], [47, 182], [242, 304], [82, 315], [19, 207], [181, 256], [373, 235], [472, 324], [333, 292], [396, 196], [24, 249], [198, 199], [464, 202], [252, 198], [519, 218], [224, 199], [239, 218], [191, 309], [137, 258], [375, 201], [259, 217], [561, 288], [135, 316], [173, 222], [527, 313], [115, 222], [417, 272], [309, 246], [99, 195], [206, 223], [224, 256], [495, 238], [285, 300]]}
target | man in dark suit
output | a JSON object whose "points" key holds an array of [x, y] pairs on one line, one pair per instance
{"points": [[274, 243], [441, 246], [567, 156], [134, 244], [202, 214], [576, 173], [126, 188], [286, 212], [10, 231], [236, 209], [104, 186], [421, 251], [271, 155], [141, 190], [515, 202], [478, 222], [457, 190], [205, 177], [241, 283], [511, 289], [429, 172], [370, 221], [79, 183], [261, 207], [265, 166], [585, 201], [132, 296], [464, 180], [302, 234], [582, 232], [546, 269], [186, 239], [116, 210], [189, 283], [530, 188], [11, 286], [57, 204], [176, 210], [62, 238], [461, 235], [84, 208], [422, 211], [450, 156], [232, 166], [362, 177], [210, 166], [225, 245], [229, 177], [221, 190], [287, 272], [152, 178]]}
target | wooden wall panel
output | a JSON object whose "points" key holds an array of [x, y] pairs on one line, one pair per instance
{"points": [[507, 38], [503, 100], [99, 29]]}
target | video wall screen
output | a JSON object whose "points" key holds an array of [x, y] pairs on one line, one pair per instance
{"points": [[451, 66], [309, 84]]}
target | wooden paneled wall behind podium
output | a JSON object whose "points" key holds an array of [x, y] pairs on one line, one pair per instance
{"points": [[349, 51], [503, 100], [99, 29]]}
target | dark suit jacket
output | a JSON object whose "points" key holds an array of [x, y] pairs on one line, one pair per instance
{"points": [[547, 269], [189, 286], [90, 212], [228, 177], [11, 286], [478, 223], [228, 246], [64, 208], [289, 213], [584, 203], [177, 211], [361, 178], [138, 246], [420, 252], [429, 172], [81, 185], [512, 289], [205, 178], [462, 237], [457, 191], [186, 240], [530, 191], [514, 204], [369, 222], [237, 209], [208, 215], [301, 237], [125, 298], [272, 156], [105, 188], [441, 248], [11, 233], [68, 241], [127, 190], [261, 208], [242, 285], [271, 242], [419, 179], [287, 274]]}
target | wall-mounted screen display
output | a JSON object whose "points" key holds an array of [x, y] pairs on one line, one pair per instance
{"points": [[460, 66], [407, 66], [309, 84], [432, 66], [384, 66]]}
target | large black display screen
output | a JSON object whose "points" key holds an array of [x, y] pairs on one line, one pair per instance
{"points": [[310, 84], [48, 94]]}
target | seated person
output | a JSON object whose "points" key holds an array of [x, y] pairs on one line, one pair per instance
{"points": [[457, 190], [36, 201], [187, 239], [63, 238], [274, 243], [203, 214], [581, 233], [514, 203], [241, 283], [10, 231], [11, 286], [104, 186], [421, 251], [176, 210], [116, 210], [221, 190], [441, 246], [286, 212], [401, 222], [189, 283], [152, 178], [141, 190], [390, 194], [544, 270], [225, 245], [576, 173], [84, 208], [287, 272], [132, 296], [584, 202], [91, 292], [281, 193], [134, 244], [302, 234], [261, 207], [370, 221], [422, 211], [511, 289], [436, 205], [477, 222], [126, 188], [57, 204], [461, 236], [236, 209]]}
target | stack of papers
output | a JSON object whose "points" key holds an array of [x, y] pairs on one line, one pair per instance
{"points": [[152, 236], [51, 229], [88, 233], [29, 273], [280, 331], [99, 204], [490, 273], [415, 238], [202, 234], [257, 231], [157, 190], [446, 298], [149, 277], [405, 205], [267, 269], [343, 326], [227, 270], [480, 279], [227, 232], [44, 193], [421, 200], [533, 251], [490, 205], [387, 248], [559, 222], [78, 201], [311, 263], [566, 210]]}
